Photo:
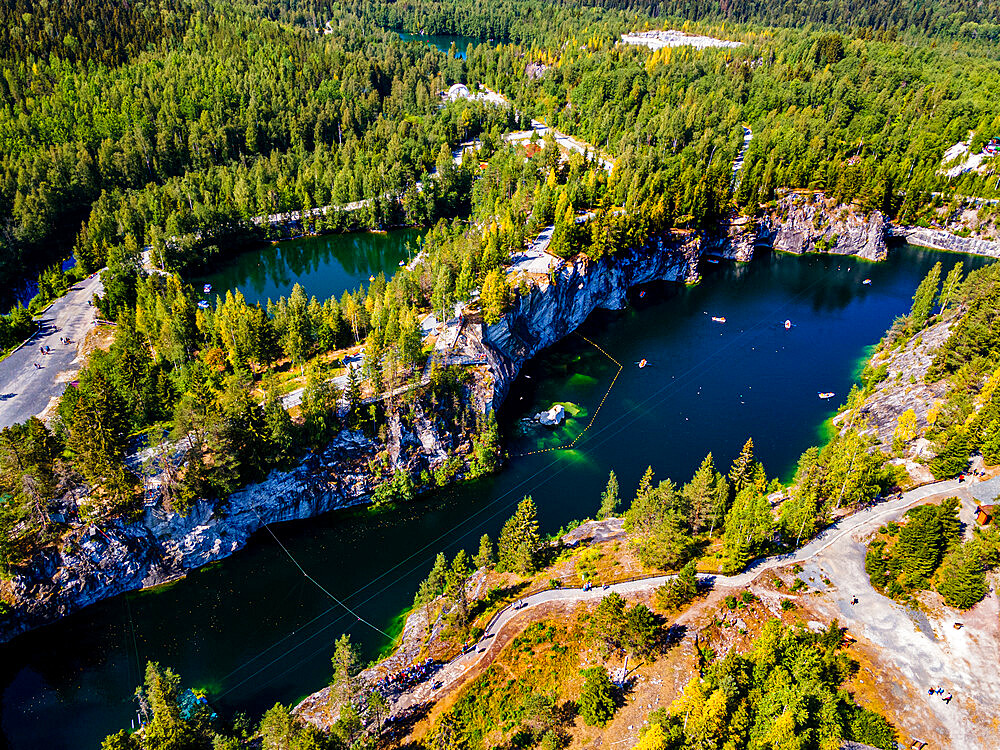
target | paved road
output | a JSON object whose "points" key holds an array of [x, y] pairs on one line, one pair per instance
{"points": [[738, 161], [571, 144], [26, 391], [860, 522]]}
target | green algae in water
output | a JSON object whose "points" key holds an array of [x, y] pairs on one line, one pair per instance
{"points": [[573, 410], [581, 381]]}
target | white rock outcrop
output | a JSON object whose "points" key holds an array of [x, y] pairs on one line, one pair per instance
{"points": [[553, 417]]}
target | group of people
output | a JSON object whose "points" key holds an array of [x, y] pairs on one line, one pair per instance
{"points": [[407, 677], [973, 473], [940, 691], [46, 349]]}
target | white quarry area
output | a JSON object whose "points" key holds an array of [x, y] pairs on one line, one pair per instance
{"points": [[553, 417], [959, 159], [674, 38]]}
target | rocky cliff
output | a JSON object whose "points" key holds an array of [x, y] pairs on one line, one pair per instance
{"points": [[803, 223], [938, 239], [96, 563], [556, 306], [809, 223]]}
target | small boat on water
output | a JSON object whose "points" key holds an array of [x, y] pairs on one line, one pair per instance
{"points": [[788, 324], [207, 289], [642, 363], [826, 394], [712, 260], [867, 282], [718, 319]]}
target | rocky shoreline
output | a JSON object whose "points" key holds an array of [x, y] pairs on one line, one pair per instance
{"points": [[938, 239], [97, 563]]}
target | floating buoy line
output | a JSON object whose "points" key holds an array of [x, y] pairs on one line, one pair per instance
{"points": [[575, 440]]}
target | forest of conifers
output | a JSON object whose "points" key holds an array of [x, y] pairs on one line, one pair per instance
{"points": [[174, 124]]}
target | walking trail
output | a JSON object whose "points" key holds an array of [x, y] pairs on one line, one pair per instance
{"points": [[837, 554]]}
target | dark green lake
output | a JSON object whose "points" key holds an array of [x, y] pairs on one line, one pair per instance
{"points": [[443, 42], [325, 265], [253, 631]]}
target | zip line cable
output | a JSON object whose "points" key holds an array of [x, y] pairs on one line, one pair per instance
{"points": [[644, 405], [319, 585], [669, 385], [135, 644], [277, 643]]}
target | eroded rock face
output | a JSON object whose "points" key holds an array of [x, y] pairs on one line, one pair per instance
{"points": [[736, 239], [97, 563], [937, 239], [806, 224], [904, 388], [556, 306]]}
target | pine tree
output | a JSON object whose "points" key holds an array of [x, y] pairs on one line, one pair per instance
{"points": [[346, 666], [951, 526], [748, 527], [651, 505], [953, 458], [484, 557], [597, 699], [746, 470], [609, 499], [951, 289], [434, 584], [678, 591], [519, 539], [458, 576], [923, 298], [646, 483], [706, 496], [920, 545], [961, 580]]}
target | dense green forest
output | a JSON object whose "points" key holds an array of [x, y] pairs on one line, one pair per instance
{"points": [[184, 129], [184, 125], [181, 125]]}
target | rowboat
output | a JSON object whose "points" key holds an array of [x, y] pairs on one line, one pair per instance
{"points": [[826, 394]]}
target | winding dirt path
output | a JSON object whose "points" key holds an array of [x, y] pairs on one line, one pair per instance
{"points": [[838, 553]]}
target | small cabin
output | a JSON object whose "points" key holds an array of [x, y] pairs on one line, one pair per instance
{"points": [[984, 514]]}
